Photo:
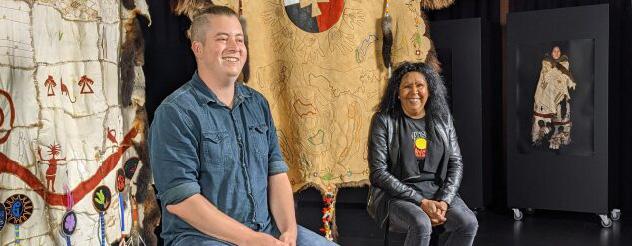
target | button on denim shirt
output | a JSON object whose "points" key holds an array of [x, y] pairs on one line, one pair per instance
{"points": [[199, 145]]}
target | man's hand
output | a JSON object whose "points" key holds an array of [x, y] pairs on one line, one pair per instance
{"points": [[260, 238], [436, 215], [289, 238]]}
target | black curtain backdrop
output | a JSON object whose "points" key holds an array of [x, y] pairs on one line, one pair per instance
{"points": [[169, 61], [489, 12]]}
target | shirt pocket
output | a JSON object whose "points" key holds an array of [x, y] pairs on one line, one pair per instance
{"points": [[259, 140], [215, 148]]}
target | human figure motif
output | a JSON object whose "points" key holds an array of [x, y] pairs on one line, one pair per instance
{"points": [[50, 84], [551, 108], [51, 171], [86, 85], [64, 91]]}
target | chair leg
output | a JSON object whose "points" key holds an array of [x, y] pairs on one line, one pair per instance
{"points": [[386, 236]]}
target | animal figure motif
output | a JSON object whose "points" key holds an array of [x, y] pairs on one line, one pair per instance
{"points": [[64, 91]]}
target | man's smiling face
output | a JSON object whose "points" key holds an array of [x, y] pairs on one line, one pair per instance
{"points": [[223, 51]]}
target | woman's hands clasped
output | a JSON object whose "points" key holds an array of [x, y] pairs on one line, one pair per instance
{"points": [[436, 210]]}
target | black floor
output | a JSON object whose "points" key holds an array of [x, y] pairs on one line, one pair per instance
{"points": [[543, 228]]}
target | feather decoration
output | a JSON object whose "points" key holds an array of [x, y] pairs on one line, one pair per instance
{"points": [[387, 39]]}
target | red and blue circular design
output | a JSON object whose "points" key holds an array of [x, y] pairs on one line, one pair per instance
{"points": [[19, 208], [314, 16]]}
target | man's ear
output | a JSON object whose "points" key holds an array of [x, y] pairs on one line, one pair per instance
{"points": [[196, 47]]}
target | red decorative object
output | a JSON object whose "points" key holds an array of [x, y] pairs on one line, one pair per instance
{"points": [[86, 85], [112, 135], [328, 212], [4, 138], [82, 189], [120, 180], [64, 91], [51, 171], [50, 84]]}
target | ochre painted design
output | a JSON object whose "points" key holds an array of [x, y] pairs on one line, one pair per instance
{"points": [[86, 85], [51, 171], [80, 191]]}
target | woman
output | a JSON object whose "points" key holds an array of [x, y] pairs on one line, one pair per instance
{"points": [[415, 161], [551, 107]]}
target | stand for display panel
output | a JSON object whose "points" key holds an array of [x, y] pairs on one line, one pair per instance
{"points": [[572, 178]]}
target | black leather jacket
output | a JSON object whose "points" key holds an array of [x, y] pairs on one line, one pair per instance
{"points": [[388, 178]]}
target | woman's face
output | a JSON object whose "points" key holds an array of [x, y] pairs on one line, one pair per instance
{"points": [[413, 94], [556, 53]]}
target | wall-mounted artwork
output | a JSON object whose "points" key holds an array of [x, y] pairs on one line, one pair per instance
{"points": [[555, 95]]}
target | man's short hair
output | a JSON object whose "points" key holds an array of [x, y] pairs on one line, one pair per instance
{"points": [[199, 24]]}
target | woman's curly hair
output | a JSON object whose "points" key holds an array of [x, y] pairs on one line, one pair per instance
{"points": [[437, 104]]}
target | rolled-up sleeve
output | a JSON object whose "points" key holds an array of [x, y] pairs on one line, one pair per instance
{"points": [[276, 164], [173, 153]]}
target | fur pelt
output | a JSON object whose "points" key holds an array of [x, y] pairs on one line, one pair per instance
{"points": [[190, 8], [128, 4], [144, 192], [431, 58], [132, 55], [387, 40], [151, 219], [435, 4], [144, 174], [433, 61], [556, 63], [245, 72]]}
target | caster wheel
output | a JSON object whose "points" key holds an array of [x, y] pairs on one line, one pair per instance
{"points": [[606, 222], [517, 214], [615, 215], [530, 211]]}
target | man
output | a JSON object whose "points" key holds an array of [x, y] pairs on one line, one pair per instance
{"points": [[216, 160]]}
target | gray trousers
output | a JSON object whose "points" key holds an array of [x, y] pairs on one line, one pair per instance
{"points": [[460, 227]]}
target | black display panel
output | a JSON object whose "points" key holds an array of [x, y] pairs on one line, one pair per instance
{"points": [[574, 176]]}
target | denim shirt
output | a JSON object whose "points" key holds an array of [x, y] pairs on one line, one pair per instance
{"points": [[199, 145]]}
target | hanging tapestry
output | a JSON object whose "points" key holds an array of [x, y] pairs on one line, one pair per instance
{"points": [[72, 119]]}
